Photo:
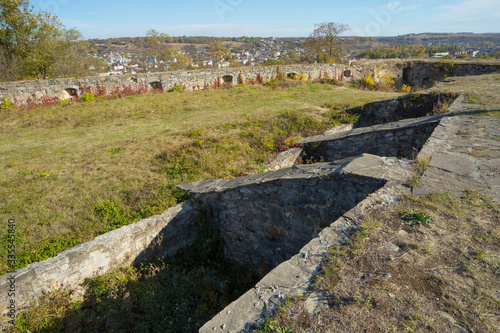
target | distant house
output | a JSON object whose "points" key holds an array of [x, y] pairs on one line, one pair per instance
{"points": [[208, 62], [223, 64], [440, 55], [117, 66]]}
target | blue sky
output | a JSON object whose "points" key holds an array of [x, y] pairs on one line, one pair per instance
{"points": [[292, 18]]}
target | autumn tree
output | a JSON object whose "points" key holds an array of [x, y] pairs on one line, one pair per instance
{"points": [[324, 44], [16, 24], [218, 51], [34, 44], [73, 59]]}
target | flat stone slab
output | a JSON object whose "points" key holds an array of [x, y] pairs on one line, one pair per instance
{"points": [[465, 154], [285, 159], [461, 165], [365, 166]]}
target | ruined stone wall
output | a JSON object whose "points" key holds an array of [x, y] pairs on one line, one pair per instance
{"points": [[403, 139], [22, 92], [403, 107], [426, 74], [264, 224], [293, 277], [153, 237], [416, 73], [420, 73]]}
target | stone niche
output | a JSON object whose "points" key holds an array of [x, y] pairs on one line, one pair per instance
{"points": [[227, 79]]}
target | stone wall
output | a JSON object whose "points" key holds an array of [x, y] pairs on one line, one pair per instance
{"points": [[420, 73], [426, 74], [23, 92], [156, 236], [416, 73], [293, 277], [402, 139], [403, 107], [266, 219]]}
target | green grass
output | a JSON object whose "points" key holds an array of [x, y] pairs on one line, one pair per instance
{"points": [[72, 172]]}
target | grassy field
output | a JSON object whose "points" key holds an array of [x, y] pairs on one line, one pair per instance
{"points": [[72, 172]]}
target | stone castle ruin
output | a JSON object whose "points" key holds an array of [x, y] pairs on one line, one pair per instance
{"points": [[413, 73], [282, 222]]}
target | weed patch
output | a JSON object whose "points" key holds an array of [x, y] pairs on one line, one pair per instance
{"points": [[400, 276]]}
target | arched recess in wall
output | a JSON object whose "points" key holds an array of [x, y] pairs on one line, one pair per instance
{"points": [[156, 85], [227, 78], [292, 75], [72, 91], [347, 73]]}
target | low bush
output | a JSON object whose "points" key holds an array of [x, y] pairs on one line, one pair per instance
{"points": [[88, 97], [5, 104], [177, 88]]}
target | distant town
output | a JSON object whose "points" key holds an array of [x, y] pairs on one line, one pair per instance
{"points": [[138, 55]]}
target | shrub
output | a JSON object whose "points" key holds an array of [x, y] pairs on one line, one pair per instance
{"points": [[5, 104], [177, 87], [368, 82], [342, 117], [88, 97], [331, 81], [259, 79], [405, 88], [271, 83], [413, 218]]}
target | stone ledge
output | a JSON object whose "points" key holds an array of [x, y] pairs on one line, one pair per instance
{"points": [[365, 166], [118, 248], [388, 127]]}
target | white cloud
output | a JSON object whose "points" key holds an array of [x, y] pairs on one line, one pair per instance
{"points": [[469, 10]]}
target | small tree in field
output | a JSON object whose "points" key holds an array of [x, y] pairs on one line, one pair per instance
{"points": [[324, 44]]}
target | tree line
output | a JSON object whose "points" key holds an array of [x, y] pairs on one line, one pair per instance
{"points": [[415, 51]]}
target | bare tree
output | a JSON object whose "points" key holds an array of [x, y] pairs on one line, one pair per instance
{"points": [[324, 44]]}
